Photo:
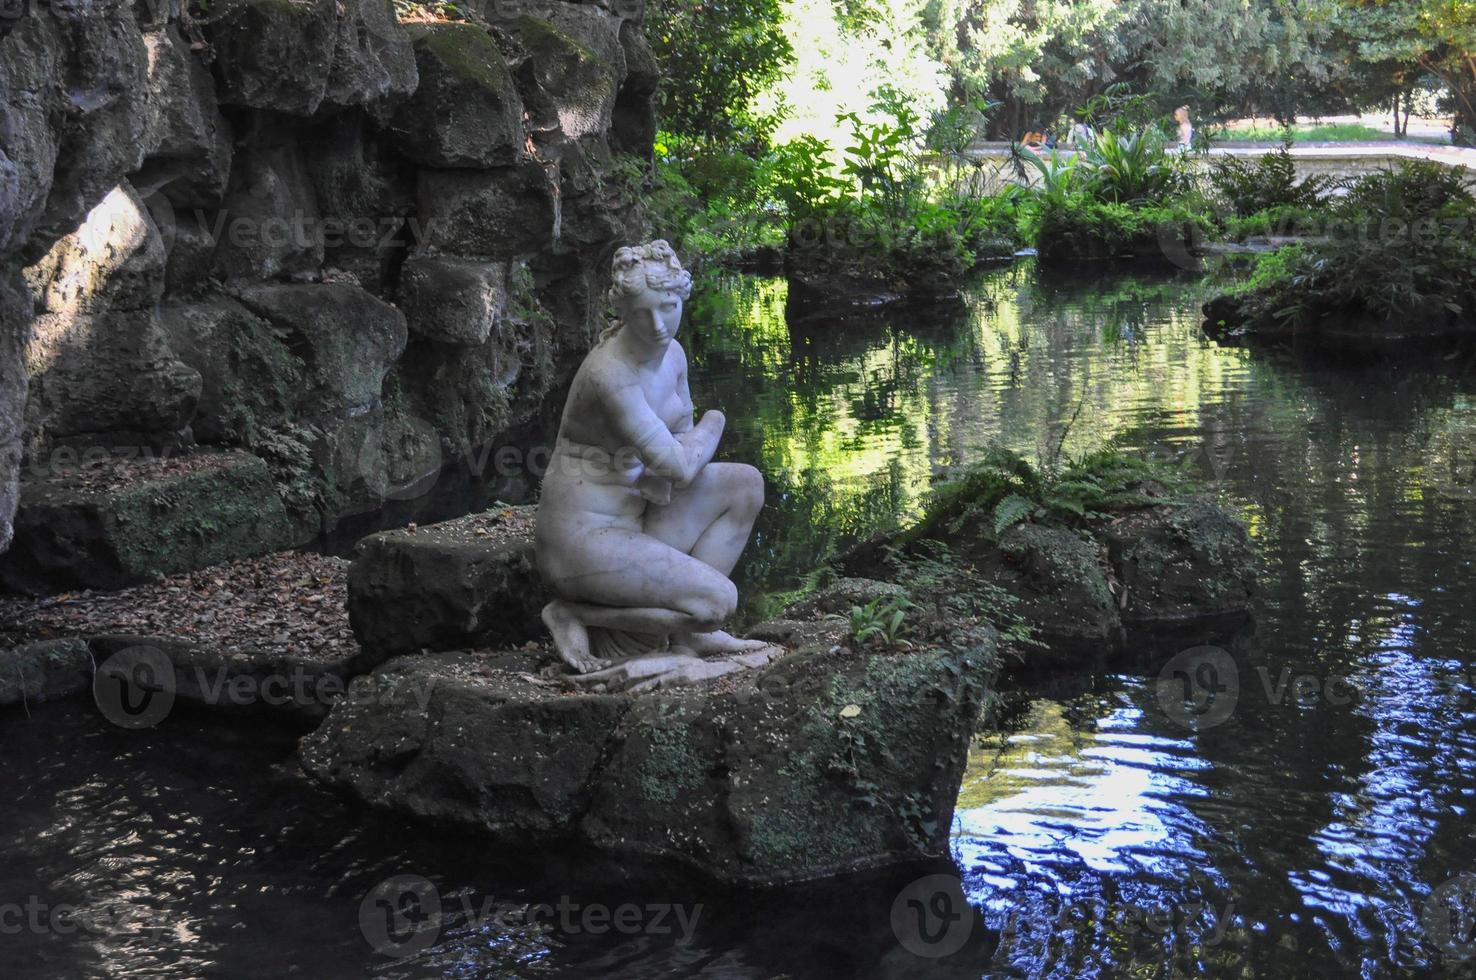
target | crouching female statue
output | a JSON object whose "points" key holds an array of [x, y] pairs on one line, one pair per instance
{"points": [[638, 530]]}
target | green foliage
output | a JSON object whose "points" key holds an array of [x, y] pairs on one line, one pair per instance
{"points": [[1279, 221], [894, 207], [805, 180], [1251, 186], [1318, 133], [710, 203], [1011, 511], [881, 620], [1398, 244], [716, 58], [931, 573], [1081, 227], [1004, 488], [1133, 168]]}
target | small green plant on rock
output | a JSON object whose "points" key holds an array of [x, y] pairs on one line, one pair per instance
{"points": [[882, 619]]}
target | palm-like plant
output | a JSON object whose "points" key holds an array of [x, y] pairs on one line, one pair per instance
{"points": [[1059, 176], [1131, 168]]}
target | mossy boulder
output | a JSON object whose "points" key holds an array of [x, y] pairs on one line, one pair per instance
{"points": [[1060, 578], [372, 59], [453, 300], [270, 227], [1138, 562], [346, 338], [820, 764], [466, 111], [1182, 562], [74, 531], [250, 379], [570, 70], [187, 139]]}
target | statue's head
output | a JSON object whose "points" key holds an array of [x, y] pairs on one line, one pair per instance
{"points": [[648, 290]]}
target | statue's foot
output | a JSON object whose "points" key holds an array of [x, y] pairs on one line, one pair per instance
{"points": [[656, 672], [717, 642], [571, 638]]}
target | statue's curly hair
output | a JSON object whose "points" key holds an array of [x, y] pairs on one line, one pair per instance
{"points": [[637, 268]]}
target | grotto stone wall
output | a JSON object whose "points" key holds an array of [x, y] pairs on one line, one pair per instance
{"points": [[302, 228]]}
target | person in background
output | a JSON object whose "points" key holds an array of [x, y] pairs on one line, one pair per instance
{"points": [[1186, 128]]}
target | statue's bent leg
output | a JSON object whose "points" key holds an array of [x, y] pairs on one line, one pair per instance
{"points": [[621, 579], [711, 519]]}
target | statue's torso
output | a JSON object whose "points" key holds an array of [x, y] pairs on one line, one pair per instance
{"points": [[594, 469]]}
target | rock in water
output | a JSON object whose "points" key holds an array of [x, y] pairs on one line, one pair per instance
{"points": [[819, 764]]}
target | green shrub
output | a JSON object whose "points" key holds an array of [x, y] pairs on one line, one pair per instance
{"points": [[1284, 220], [1003, 488], [1082, 227], [1134, 168], [1249, 187], [1398, 244]]}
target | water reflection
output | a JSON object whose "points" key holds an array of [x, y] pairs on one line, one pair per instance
{"points": [[1320, 820]]}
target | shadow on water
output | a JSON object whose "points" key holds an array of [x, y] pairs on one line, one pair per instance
{"points": [[1303, 826]]}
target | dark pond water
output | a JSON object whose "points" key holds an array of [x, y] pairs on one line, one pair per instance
{"points": [[1310, 827]]}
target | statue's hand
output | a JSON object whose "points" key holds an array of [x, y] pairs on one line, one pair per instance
{"points": [[714, 419], [656, 489]]}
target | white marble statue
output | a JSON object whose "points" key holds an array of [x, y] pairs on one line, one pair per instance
{"points": [[638, 530]]}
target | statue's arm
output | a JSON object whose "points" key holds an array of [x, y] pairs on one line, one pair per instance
{"points": [[679, 460]]}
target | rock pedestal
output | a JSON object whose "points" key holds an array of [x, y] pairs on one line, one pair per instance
{"points": [[819, 764], [464, 583]]}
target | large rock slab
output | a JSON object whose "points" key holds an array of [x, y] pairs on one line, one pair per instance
{"points": [[366, 193], [453, 299], [250, 381], [347, 339], [372, 59], [500, 214], [91, 97], [1061, 581], [47, 670], [633, 123], [466, 111], [266, 635], [270, 226], [819, 764], [1182, 569], [14, 388], [110, 526], [188, 141], [462, 583], [274, 54], [569, 67], [115, 260], [101, 370]]}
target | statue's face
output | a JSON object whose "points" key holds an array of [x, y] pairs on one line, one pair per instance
{"points": [[655, 315]]}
